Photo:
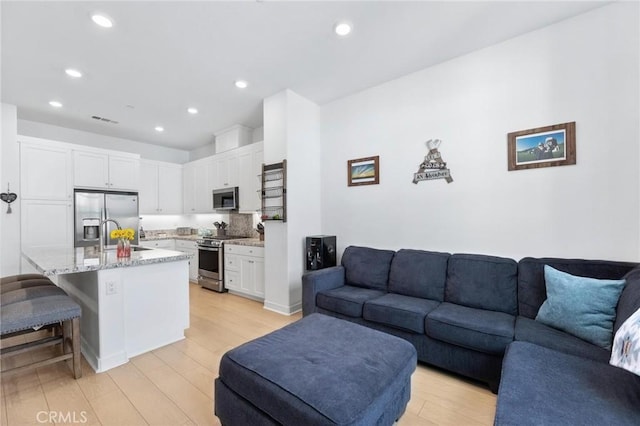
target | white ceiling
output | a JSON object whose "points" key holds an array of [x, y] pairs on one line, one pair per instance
{"points": [[164, 56]]}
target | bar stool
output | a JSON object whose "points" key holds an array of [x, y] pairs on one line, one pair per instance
{"points": [[34, 303]]}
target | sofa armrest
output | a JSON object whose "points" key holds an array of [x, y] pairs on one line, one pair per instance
{"points": [[314, 282]]}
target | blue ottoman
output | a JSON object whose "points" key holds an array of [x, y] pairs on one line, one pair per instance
{"points": [[317, 371]]}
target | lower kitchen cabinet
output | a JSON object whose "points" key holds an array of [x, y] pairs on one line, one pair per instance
{"points": [[244, 270], [192, 248], [167, 244]]}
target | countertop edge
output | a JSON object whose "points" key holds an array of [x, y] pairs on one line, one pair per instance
{"points": [[171, 256]]}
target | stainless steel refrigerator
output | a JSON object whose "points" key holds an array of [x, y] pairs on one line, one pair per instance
{"points": [[92, 207]]}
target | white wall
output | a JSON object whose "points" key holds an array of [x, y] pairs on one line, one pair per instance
{"points": [[257, 135], [63, 134], [291, 132], [584, 69], [202, 152], [10, 173]]}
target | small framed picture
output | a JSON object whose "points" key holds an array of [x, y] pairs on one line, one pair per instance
{"points": [[363, 171], [542, 147]]}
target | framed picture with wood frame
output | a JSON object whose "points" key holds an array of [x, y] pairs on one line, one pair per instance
{"points": [[363, 171], [542, 147]]}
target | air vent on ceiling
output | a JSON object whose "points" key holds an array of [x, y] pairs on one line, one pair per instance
{"points": [[106, 120]]}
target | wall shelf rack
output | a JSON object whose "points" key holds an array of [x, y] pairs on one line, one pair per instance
{"points": [[274, 191]]}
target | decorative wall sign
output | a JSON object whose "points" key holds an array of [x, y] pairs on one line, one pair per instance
{"points": [[363, 171], [433, 167], [8, 197], [542, 147]]}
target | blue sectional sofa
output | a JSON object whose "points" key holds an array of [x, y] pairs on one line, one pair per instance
{"points": [[462, 311]]}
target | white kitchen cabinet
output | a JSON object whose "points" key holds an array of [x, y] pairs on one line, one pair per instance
{"points": [[192, 248], [233, 137], [204, 197], [244, 270], [104, 170], [46, 171], [250, 160], [197, 186], [166, 244], [188, 188], [47, 223], [226, 170], [160, 187]]}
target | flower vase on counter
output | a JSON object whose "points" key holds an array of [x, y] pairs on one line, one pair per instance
{"points": [[123, 249], [124, 237]]}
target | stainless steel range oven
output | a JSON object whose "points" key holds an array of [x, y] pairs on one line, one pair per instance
{"points": [[211, 264]]}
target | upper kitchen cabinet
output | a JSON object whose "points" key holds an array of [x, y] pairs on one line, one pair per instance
{"points": [[106, 170], [160, 187], [250, 160], [46, 171], [232, 138], [197, 186], [189, 191], [226, 170]]}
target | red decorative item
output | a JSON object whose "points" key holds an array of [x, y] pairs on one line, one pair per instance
{"points": [[123, 248]]}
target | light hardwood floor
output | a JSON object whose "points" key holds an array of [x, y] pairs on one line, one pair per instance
{"points": [[173, 385]]}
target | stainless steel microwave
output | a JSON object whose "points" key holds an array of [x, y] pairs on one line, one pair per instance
{"points": [[225, 199]]}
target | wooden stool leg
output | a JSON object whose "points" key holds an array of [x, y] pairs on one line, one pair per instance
{"points": [[67, 343], [77, 361], [71, 344]]}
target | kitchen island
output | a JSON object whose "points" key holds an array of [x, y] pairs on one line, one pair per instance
{"points": [[129, 306]]}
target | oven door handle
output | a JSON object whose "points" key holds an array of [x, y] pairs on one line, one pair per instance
{"points": [[209, 249]]}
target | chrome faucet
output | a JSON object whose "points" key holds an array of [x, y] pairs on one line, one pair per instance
{"points": [[103, 239]]}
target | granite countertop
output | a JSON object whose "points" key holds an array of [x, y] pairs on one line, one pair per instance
{"points": [[168, 236], [253, 242], [52, 261], [249, 241]]}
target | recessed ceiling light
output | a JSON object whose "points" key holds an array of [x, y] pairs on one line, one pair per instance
{"points": [[73, 73], [343, 29], [159, 129], [241, 84], [192, 110], [55, 104], [102, 20]]}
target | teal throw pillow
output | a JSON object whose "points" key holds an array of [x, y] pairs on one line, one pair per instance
{"points": [[583, 307]]}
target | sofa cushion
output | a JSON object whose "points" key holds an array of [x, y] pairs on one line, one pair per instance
{"points": [[477, 329], [584, 307], [629, 299], [346, 300], [399, 311], [540, 386], [367, 267], [484, 282], [529, 330], [419, 273], [626, 345], [531, 287]]}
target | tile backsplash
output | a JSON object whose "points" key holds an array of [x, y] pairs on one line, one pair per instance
{"points": [[239, 224]]}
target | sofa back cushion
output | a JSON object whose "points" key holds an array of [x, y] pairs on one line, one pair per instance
{"points": [[484, 282], [419, 273], [629, 299], [532, 291], [367, 267]]}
